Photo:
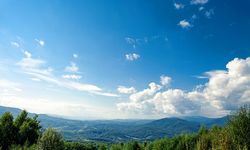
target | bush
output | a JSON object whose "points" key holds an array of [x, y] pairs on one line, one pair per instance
{"points": [[51, 140]]}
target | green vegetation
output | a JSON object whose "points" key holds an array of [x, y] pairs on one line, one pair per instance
{"points": [[24, 133]]}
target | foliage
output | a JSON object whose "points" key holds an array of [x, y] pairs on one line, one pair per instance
{"points": [[22, 130], [51, 140], [79, 146], [239, 126]]}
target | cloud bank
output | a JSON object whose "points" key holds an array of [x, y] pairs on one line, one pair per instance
{"points": [[225, 91]]}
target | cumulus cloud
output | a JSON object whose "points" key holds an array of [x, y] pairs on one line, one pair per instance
{"points": [[225, 91], [72, 68], [126, 90], [178, 6], [198, 2], [146, 93], [184, 24], [132, 56], [165, 80], [40, 42]]}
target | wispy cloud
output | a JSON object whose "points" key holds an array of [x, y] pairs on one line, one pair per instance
{"points": [[209, 13], [201, 77], [15, 44], [72, 68], [71, 76], [29, 62], [132, 56], [198, 2], [131, 41], [36, 68], [7, 86], [126, 90]]}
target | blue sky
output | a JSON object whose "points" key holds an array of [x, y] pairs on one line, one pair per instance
{"points": [[124, 59]]}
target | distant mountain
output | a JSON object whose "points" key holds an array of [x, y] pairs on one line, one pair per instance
{"points": [[14, 111], [122, 130], [198, 119]]}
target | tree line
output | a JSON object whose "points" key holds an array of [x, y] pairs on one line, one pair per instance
{"points": [[26, 133]]}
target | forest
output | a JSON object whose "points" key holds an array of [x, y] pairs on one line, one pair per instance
{"points": [[26, 133]]}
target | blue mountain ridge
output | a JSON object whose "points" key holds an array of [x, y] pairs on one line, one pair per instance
{"points": [[120, 130]]}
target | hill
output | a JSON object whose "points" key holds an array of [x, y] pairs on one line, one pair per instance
{"points": [[122, 130]]}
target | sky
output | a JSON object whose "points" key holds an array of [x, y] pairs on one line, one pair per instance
{"points": [[136, 59]]}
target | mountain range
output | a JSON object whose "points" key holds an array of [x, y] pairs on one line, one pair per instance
{"points": [[122, 130]]}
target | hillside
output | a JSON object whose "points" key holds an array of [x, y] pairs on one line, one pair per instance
{"points": [[122, 130]]}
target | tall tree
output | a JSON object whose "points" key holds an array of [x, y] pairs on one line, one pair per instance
{"points": [[9, 131]]}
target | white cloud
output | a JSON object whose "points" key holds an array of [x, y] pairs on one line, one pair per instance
{"points": [[15, 44], [184, 24], [130, 40], [225, 91], [71, 76], [201, 77], [30, 63], [146, 93], [6, 86], [72, 68], [36, 69], [132, 56], [75, 55], [36, 79], [178, 6], [40, 42], [140, 102], [27, 54], [198, 2], [126, 90], [165, 80]]}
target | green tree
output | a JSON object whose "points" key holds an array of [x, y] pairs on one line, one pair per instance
{"points": [[102, 147], [204, 142], [116, 147], [239, 125], [8, 131], [28, 128], [51, 140], [132, 145], [21, 118]]}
